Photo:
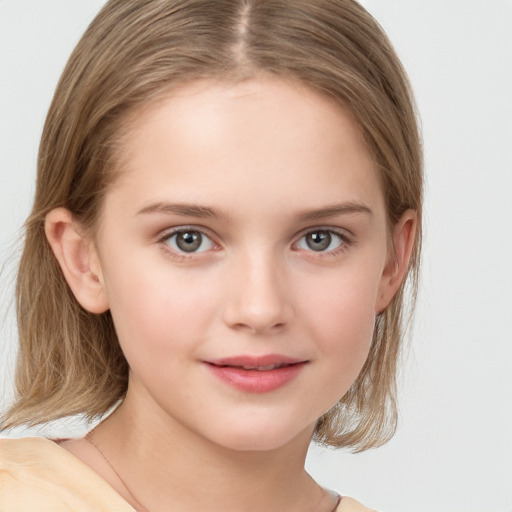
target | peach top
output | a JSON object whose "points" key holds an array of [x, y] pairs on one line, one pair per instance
{"points": [[37, 474]]}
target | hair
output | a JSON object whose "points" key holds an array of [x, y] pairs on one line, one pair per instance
{"points": [[135, 52]]}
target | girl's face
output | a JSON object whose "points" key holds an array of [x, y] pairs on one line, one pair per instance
{"points": [[243, 254]]}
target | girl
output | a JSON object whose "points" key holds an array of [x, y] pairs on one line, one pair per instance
{"points": [[228, 209]]}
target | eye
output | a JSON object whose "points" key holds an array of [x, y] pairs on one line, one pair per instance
{"points": [[189, 241], [321, 240]]}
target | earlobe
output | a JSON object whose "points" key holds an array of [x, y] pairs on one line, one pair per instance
{"points": [[78, 260], [404, 235]]}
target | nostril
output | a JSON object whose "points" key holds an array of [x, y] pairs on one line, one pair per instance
{"points": [[254, 327], [258, 306]]}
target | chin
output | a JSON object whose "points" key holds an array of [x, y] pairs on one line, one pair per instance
{"points": [[257, 439]]}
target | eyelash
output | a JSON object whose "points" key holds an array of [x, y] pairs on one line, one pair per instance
{"points": [[182, 256], [344, 238]]}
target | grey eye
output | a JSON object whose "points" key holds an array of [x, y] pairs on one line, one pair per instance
{"points": [[189, 241], [320, 241]]}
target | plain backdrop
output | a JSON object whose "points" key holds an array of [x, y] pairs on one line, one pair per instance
{"points": [[453, 449]]}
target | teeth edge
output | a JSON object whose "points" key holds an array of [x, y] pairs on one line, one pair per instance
{"points": [[266, 368], [263, 368]]}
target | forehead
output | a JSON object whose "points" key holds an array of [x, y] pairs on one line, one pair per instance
{"points": [[266, 137]]}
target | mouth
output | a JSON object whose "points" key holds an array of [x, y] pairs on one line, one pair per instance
{"points": [[257, 374], [265, 368], [260, 363]]}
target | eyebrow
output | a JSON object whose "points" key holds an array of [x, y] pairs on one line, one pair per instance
{"points": [[334, 210], [184, 209], [198, 211]]}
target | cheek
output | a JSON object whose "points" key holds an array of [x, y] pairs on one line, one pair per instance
{"points": [[340, 314], [342, 301], [158, 309]]}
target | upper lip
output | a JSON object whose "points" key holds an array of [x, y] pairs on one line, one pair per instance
{"points": [[250, 362]]}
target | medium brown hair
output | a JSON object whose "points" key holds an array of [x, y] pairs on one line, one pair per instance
{"points": [[136, 51]]}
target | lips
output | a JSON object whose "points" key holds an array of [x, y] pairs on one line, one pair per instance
{"points": [[258, 374], [262, 368]]}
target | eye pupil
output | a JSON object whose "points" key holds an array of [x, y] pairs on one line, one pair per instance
{"points": [[318, 240], [189, 241]]}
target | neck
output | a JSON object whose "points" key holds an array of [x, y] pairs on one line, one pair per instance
{"points": [[162, 463]]}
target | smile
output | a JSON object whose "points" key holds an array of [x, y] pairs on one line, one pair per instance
{"points": [[256, 374], [259, 368]]}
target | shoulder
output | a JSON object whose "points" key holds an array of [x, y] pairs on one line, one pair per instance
{"points": [[30, 455], [351, 505], [25, 454], [37, 474], [17, 449]]}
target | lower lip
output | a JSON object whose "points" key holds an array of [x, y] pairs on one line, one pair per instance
{"points": [[255, 381]]}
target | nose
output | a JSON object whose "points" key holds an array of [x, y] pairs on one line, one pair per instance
{"points": [[258, 298]]}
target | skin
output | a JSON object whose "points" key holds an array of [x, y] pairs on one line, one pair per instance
{"points": [[271, 158]]}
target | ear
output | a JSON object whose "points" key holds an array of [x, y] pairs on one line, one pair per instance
{"points": [[404, 234], [78, 259]]}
